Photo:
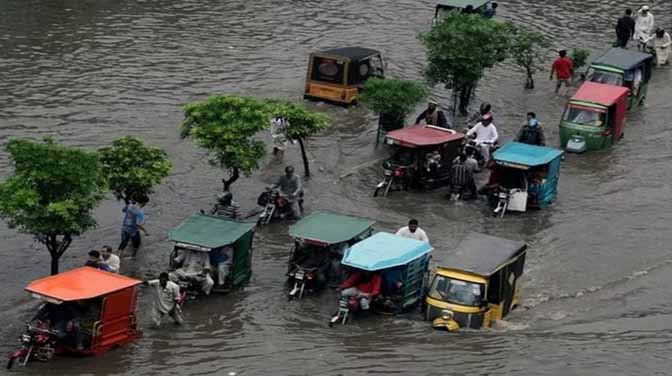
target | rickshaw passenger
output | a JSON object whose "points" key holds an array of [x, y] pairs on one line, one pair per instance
{"points": [[222, 259], [433, 162], [64, 321], [226, 207], [363, 285], [392, 281], [195, 267]]}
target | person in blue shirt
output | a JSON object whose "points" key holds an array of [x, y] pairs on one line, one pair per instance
{"points": [[134, 220], [491, 11]]}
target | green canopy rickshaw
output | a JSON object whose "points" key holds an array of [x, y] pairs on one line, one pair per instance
{"points": [[445, 6]]}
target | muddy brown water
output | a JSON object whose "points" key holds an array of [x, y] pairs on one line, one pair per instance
{"points": [[595, 295]]}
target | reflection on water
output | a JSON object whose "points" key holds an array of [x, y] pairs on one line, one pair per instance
{"points": [[87, 72]]}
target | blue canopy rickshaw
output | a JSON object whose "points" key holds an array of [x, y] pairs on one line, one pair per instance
{"points": [[524, 176], [403, 265]]}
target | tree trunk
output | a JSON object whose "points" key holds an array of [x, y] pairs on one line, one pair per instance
{"points": [[54, 264], [306, 168], [57, 249], [235, 174], [465, 98], [529, 84]]}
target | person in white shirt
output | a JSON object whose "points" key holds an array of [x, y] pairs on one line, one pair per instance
{"points": [[166, 300], [486, 135], [644, 27], [195, 266], [412, 231], [110, 259]]}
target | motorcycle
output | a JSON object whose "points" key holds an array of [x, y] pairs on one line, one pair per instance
{"points": [[275, 206], [394, 175], [302, 277], [37, 342], [346, 306], [502, 196]]}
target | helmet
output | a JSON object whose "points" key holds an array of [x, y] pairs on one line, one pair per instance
{"points": [[225, 197]]}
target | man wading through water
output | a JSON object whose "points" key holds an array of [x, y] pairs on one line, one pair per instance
{"points": [[134, 220]]}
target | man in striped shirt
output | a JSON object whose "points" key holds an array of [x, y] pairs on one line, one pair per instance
{"points": [[462, 176], [226, 207]]}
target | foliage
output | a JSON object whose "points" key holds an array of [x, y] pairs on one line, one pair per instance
{"points": [[301, 123], [225, 125], [579, 58], [52, 192], [459, 49], [392, 96], [527, 51], [132, 168]]}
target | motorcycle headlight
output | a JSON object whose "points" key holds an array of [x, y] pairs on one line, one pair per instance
{"points": [[447, 315], [26, 338]]}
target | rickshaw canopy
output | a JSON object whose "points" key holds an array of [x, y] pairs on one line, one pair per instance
{"points": [[384, 250], [623, 59], [329, 228], [461, 3], [418, 136], [600, 94], [483, 254], [209, 231], [80, 284], [518, 153], [352, 53]]}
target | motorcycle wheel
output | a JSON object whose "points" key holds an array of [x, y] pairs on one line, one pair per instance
{"points": [[387, 189], [10, 362]]}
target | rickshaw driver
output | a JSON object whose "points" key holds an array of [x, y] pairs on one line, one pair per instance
{"points": [[290, 185], [64, 321], [195, 267], [486, 135], [362, 285]]}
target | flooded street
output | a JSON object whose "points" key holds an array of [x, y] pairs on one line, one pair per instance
{"points": [[595, 294]]}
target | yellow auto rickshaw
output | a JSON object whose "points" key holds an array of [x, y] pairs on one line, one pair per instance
{"points": [[337, 75], [477, 285]]}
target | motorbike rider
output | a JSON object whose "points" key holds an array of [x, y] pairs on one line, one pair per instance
{"points": [[432, 116], [64, 322], [225, 206], [486, 135], [531, 133], [362, 285], [291, 187]]}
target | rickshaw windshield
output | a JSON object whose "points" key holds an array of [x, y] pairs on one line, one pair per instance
{"points": [[585, 116], [457, 291], [328, 70], [605, 77]]}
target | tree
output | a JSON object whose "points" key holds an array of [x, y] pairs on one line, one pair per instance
{"points": [[459, 49], [132, 168], [301, 124], [225, 125], [52, 193], [392, 100], [527, 50]]}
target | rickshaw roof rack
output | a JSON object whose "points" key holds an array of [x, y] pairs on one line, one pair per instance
{"points": [[461, 3], [602, 94], [483, 254], [209, 231], [329, 228], [527, 155], [81, 283], [417, 136], [352, 53], [384, 250], [622, 59]]}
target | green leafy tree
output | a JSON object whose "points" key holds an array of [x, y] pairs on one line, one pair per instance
{"points": [[301, 124], [132, 168], [225, 125], [392, 100], [527, 51], [52, 193], [579, 58], [460, 48]]}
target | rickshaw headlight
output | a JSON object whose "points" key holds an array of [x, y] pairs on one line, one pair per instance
{"points": [[447, 315]]}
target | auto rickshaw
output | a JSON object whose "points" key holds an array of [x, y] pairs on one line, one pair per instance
{"points": [[227, 244], [445, 6], [337, 75], [477, 284], [422, 158], [398, 269], [627, 68], [86, 311], [320, 240], [594, 117], [523, 176]]}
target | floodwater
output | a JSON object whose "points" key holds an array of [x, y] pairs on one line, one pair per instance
{"points": [[596, 297]]}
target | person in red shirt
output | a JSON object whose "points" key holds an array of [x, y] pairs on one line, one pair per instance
{"points": [[563, 69], [363, 285]]}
